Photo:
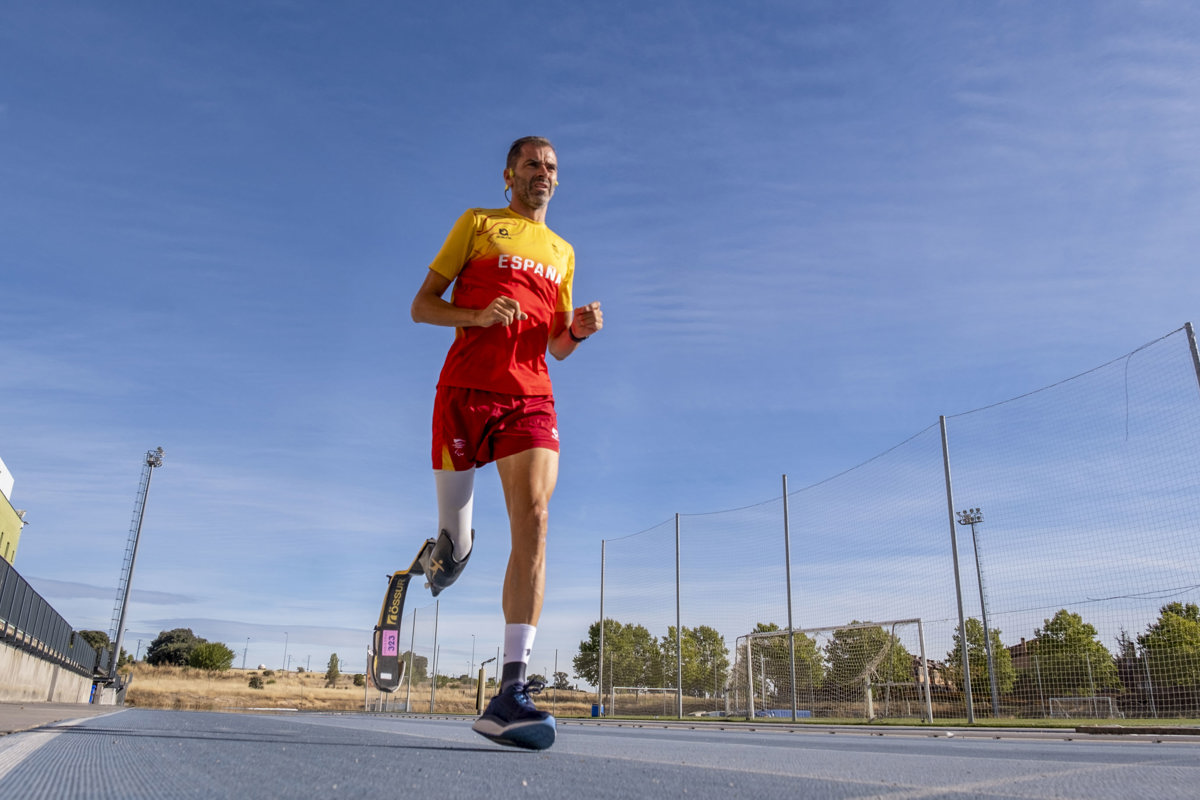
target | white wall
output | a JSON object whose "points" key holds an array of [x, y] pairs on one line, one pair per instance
{"points": [[27, 678]]}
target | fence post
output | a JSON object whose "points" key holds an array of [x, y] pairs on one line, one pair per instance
{"points": [[678, 631], [412, 643], [437, 612], [787, 571], [600, 651], [1149, 682], [1191, 336], [962, 623]]}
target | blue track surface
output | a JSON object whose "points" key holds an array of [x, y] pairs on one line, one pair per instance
{"points": [[139, 753]]}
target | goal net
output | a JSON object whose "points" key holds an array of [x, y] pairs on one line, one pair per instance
{"points": [[1084, 708], [643, 701], [859, 670]]}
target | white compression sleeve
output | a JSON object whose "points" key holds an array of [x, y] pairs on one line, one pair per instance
{"points": [[456, 501]]}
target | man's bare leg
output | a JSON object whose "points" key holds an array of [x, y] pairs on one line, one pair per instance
{"points": [[528, 479], [511, 718]]}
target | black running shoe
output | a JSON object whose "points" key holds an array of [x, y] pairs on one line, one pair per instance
{"points": [[512, 719]]}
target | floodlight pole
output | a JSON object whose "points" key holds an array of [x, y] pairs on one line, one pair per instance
{"points": [[972, 517], [154, 458]]}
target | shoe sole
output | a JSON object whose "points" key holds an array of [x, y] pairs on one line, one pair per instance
{"points": [[532, 735]]}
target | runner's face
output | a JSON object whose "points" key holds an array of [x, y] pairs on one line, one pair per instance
{"points": [[534, 176]]}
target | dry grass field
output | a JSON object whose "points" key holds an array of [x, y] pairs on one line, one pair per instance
{"points": [[185, 688]]}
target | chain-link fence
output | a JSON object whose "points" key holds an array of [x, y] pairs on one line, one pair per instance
{"points": [[1057, 533]]}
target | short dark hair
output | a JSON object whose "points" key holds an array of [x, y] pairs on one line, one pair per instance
{"points": [[514, 152]]}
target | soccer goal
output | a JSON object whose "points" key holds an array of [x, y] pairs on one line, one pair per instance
{"points": [[643, 701], [1084, 707], [862, 669]]}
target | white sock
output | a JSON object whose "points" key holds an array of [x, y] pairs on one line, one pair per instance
{"points": [[456, 501], [518, 642]]}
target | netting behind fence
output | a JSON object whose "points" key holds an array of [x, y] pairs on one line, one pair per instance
{"points": [[1081, 550]]}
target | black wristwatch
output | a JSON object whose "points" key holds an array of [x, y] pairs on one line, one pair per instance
{"points": [[574, 338]]}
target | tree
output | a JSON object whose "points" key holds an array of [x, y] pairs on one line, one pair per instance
{"points": [[1172, 645], [562, 680], [332, 671], [1006, 674], [420, 667], [172, 647], [1069, 658], [212, 656], [705, 660], [97, 639], [631, 656]]}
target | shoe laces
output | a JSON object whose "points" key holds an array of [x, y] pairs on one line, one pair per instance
{"points": [[521, 691]]}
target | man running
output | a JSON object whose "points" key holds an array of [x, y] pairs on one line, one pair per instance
{"points": [[511, 303]]}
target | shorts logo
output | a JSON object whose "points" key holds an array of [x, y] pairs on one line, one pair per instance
{"points": [[554, 433], [460, 446]]}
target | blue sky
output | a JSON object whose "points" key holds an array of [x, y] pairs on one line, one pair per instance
{"points": [[814, 227]]}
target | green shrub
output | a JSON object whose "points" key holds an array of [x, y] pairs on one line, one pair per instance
{"points": [[213, 656]]}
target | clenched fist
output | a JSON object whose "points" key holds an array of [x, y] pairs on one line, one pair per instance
{"points": [[587, 320], [501, 311]]}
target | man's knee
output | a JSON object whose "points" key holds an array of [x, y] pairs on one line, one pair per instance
{"points": [[538, 514]]}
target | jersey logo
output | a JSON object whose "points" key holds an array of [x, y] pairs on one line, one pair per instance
{"points": [[547, 271]]}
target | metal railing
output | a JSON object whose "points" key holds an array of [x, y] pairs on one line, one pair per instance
{"points": [[27, 622]]}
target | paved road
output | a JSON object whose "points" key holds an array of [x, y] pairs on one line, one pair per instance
{"points": [[136, 753]]}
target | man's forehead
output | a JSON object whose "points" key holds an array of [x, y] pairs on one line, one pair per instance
{"points": [[538, 152]]}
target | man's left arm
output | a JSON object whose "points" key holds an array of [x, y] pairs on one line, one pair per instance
{"points": [[572, 327]]}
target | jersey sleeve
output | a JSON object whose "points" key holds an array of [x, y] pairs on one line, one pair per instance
{"points": [[456, 250], [564, 289]]}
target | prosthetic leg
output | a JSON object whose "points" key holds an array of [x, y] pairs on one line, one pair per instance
{"points": [[435, 560]]}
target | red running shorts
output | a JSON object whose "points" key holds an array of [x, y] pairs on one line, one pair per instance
{"points": [[472, 427]]}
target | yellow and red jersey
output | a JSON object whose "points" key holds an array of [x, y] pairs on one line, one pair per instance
{"points": [[495, 252]]}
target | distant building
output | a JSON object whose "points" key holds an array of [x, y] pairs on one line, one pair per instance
{"points": [[11, 520], [1021, 655]]}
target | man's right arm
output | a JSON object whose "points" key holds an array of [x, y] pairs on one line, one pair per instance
{"points": [[429, 307]]}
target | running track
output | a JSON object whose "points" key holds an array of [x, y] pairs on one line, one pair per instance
{"points": [[142, 753]]}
